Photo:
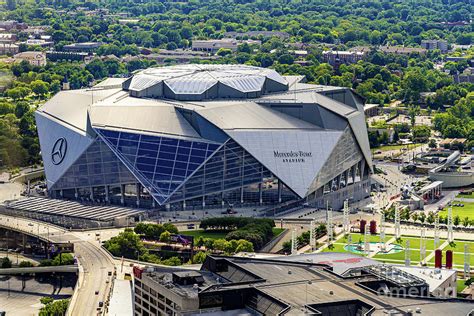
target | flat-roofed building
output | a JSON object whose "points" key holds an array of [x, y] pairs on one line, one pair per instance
{"points": [[336, 58], [34, 58], [442, 45], [212, 46], [319, 284], [82, 47], [7, 38], [9, 49]]}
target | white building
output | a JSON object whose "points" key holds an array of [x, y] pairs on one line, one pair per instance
{"points": [[441, 282]]}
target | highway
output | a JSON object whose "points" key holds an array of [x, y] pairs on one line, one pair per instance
{"points": [[94, 262]]}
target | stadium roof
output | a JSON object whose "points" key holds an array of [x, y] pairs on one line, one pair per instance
{"points": [[202, 82], [262, 111]]}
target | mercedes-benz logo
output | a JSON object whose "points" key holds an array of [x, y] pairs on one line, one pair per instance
{"points": [[59, 151]]}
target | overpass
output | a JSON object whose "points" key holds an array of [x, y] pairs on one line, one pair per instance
{"points": [[94, 262], [30, 270]]}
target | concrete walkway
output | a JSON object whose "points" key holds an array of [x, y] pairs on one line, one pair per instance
{"points": [[390, 241]]}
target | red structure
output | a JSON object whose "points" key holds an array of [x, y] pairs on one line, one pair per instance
{"points": [[449, 259], [373, 227], [438, 258], [363, 222], [137, 272]]}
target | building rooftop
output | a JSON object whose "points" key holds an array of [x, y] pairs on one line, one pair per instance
{"points": [[293, 284], [200, 82]]}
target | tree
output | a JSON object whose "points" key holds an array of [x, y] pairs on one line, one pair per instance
{"points": [[431, 218], [220, 244], [63, 259], [422, 217], [5, 263], [421, 133], [466, 221], [53, 308], [456, 220], [415, 217], [413, 112], [286, 59], [18, 93], [97, 68], [173, 261], [165, 237], [224, 51], [126, 244], [432, 143], [25, 264], [40, 87], [199, 257], [244, 246]]}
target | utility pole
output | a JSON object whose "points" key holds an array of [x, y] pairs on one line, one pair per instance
{"points": [[329, 224], [397, 222], [382, 231], [407, 253], [450, 224], [467, 262], [346, 223], [436, 232], [422, 246], [294, 242]]}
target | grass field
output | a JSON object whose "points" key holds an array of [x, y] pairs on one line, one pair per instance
{"points": [[466, 211], [466, 196]]}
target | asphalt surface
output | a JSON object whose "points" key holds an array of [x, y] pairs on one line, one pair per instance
{"points": [[16, 300], [95, 262]]}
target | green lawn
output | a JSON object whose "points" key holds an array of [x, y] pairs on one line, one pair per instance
{"points": [[277, 231], [399, 257], [214, 234], [466, 196], [414, 255], [336, 248], [460, 285], [394, 147], [466, 211], [459, 246]]}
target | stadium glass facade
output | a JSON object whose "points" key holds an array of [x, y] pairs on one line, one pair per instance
{"points": [[141, 150]]}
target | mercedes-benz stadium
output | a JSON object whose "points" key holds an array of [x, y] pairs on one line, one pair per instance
{"points": [[192, 137]]}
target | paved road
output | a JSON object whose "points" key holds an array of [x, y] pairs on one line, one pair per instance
{"points": [[95, 262]]}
